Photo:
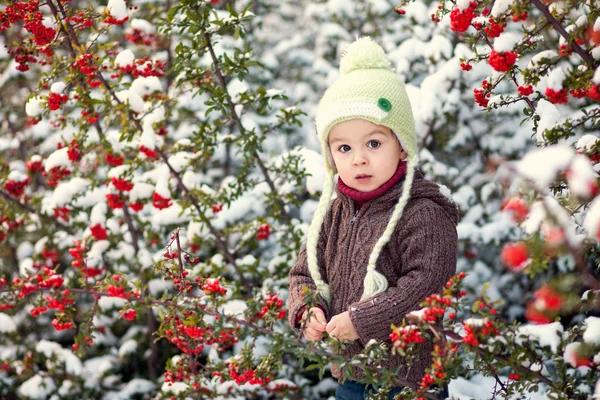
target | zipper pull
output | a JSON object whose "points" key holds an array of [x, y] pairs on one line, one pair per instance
{"points": [[354, 217]]}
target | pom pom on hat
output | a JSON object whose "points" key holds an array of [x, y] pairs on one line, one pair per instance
{"points": [[363, 53]]}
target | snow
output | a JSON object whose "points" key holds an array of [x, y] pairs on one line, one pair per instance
{"points": [[148, 138], [592, 219], [117, 8], [480, 387], [174, 388], [98, 214], [73, 364], [546, 54], [542, 165], [546, 334], [124, 58], [592, 330], [141, 191], [549, 117], [65, 192], [596, 77], [37, 387], [94, 255], [506, 41], [34, 107], [133, 387], [570, 353], [16, 176], [156, 286], [129, 347], [234, 308], [581, 177], [107, 303], [134, 100], [145, 85], [142, 25], [586, 142], [7, 324], [58, 87], [463, 4], [556, 79], [500, 7], [59, 158], [95, 368]]}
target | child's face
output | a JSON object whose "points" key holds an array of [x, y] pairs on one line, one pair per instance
{"points": [[366, 155]]}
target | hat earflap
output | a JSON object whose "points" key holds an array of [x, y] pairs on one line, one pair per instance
{"points": [[314, 232], [375, 282]]}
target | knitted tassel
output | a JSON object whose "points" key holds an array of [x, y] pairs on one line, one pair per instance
{"points": [[375, 282]]}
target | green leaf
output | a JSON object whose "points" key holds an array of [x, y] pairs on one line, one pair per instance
{"points": [[312, 367], [485, 288]]}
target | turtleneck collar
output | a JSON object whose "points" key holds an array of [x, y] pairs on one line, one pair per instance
{"points": [[362, 197]]}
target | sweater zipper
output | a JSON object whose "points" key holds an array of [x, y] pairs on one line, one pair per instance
{"points": [[354, 218]]}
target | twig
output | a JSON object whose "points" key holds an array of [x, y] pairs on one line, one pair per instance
{"points": [[238, 122], [29, 209], [559, 28]]}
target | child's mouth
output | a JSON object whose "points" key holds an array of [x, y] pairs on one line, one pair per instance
{"points": [[363, 178]]}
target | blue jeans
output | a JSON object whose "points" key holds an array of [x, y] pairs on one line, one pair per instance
{"points": [[351, 390]]}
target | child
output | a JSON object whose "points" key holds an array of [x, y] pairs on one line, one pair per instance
{"points": [[388, 240]]}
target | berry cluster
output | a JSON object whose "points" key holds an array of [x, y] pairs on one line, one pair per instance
{"points": [[515, 256], [57, 173], [502, 62], [139, 37], [517, 208], [272, 305], [113, 159], [35, 164], [148, 152], [545, 306], [264, 231], [73, 153], [404, 336], [248, 376], [85, 65], [557, 97], [114, 201], [62, 213], [460, 20], [17, 187], [121, 185], [78, 253], [161, 202], [6, 226], [494, 29], [99, 232], [213, 286], [55, 100], [144, 67], [525, 90]]}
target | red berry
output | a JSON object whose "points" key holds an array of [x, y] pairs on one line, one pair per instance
{"points": [[515, 255]]}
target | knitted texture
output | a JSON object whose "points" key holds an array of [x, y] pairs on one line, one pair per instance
{"points": [[366, 89], [420, 258]]}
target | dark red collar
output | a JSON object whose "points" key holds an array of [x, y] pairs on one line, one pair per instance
{"points": [[362, 197]]}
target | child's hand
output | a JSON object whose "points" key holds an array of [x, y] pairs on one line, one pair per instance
{"points": [[341, 327], [315, 326]]}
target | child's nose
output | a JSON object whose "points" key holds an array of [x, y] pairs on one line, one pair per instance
{"points": [[360, 158]]}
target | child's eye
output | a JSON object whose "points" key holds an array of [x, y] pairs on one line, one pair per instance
{"points": [[344, 148], [373, 144]]}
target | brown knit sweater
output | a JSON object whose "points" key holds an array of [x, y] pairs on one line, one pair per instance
{"points": [[418, 260]]}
